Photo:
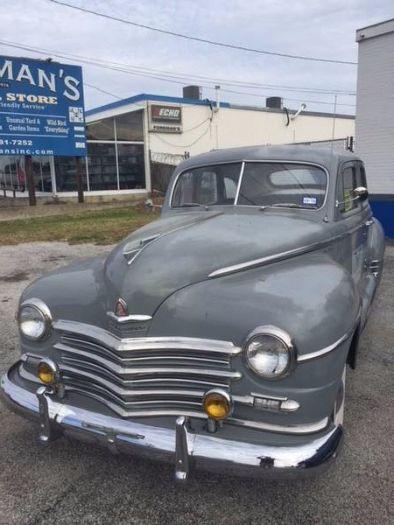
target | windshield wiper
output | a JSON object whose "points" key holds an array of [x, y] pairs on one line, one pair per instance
{"points": [[192, 205], [284, 205]]}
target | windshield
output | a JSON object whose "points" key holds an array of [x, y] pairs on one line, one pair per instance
{"points": [[207, 186], [282, 184], [263, 184]]}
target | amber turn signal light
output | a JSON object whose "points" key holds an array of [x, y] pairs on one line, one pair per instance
{"points": [[46, 373], [217, 404]]}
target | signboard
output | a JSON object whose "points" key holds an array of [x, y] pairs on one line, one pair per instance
{"points": [[172, 159], [41, 108], [165, 119]]}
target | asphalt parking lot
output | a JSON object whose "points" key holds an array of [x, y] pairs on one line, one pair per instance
{"points": [[75, 483]]}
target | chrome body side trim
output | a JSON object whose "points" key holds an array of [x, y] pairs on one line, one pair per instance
{"points": [[326, 350], [277, 257], [189, 449]]}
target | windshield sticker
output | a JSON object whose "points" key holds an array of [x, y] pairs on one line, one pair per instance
{"points": [[309, 200]]}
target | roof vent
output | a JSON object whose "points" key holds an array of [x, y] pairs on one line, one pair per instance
{"points": [[193, 92], [274, 102]]}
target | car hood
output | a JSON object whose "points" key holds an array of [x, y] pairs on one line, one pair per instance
{"points": [[179, 250]]}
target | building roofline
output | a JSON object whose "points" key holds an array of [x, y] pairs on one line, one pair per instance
{"points": [[372, 31], [375, 25], [146, 97]]}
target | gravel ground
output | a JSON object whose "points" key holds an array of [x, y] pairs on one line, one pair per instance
{"points": [[75, 483]]}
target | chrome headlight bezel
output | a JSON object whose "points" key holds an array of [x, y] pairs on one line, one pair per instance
{"points": [[44, 313], [278, 335]]}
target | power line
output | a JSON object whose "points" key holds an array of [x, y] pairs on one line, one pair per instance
{"points": [[202, 40], [177, 78], [102, 90], [261, 95]]}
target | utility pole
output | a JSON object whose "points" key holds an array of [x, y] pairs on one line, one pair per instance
{"points": [[79, 179], [333, 121], [30, 180]]}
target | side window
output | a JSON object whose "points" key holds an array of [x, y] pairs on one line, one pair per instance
{"points": [[345, 190], [362, 177], [230, 188], [208, 188]]}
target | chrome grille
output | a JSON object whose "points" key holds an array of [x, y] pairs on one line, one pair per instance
{"points": [[143, 376]]}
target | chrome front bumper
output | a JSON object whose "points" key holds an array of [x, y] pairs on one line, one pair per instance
{"points": [[178, 445]]}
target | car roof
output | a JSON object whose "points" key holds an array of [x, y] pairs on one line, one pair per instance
{"points": [[322, 156]]}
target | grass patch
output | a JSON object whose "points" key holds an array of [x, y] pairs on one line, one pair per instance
{"points": [[98, 227]]}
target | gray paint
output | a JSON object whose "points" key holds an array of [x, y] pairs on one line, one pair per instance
{"points": [[317, 296]]}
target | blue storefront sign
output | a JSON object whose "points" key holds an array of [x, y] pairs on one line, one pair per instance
{"points": [[41, 108]]}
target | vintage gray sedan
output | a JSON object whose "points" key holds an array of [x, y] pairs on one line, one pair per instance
{"points": [[219, 335]]}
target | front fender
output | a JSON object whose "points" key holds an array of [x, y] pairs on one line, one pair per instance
{"points": [[76, 292], [311, 297]]}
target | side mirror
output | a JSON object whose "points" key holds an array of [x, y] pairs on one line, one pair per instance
{"points": [[361, 192]]}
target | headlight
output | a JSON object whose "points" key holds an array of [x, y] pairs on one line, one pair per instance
{"points": [[34, 319], [270, 352]]}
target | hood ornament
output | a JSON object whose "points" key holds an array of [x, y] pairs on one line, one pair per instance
{"points": [[121, 313], [121, 309]]}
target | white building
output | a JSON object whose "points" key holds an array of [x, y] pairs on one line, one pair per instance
{"points": [[134, 143], [375, 116]]}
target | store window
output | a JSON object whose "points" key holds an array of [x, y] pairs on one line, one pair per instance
{"points": [[129, 127], [101, 130], [115, 153], [131, 166], [66, 174], [42, 174], [102, 166], [13, 173]]}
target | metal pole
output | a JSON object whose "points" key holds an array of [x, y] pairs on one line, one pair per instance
{"points": [[333, 122], [30, 180], [79, 179]]}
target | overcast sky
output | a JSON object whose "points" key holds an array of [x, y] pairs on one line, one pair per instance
{"points": [[316, 28]]}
